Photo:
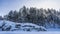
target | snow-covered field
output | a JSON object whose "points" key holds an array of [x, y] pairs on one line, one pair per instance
{"points": [[17, 32]]}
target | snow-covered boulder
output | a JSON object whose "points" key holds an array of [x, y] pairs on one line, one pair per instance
{"points": [[12, 26], [6, 25], [29, 27]]}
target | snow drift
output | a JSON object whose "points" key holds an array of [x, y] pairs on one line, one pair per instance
{"points": [[12, 26]]}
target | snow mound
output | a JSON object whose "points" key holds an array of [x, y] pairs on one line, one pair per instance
{"points": [[12, 26], [6, 25], [29, 27]]}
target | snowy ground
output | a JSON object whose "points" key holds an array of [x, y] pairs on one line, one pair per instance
{"points": [[23, 27], [53, 29], [29, 32]]}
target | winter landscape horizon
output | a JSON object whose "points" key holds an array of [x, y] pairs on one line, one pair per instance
{"points": [[29, 16]]}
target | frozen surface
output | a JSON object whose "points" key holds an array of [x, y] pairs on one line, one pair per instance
{"points": [[53, 29], [29, 32]]}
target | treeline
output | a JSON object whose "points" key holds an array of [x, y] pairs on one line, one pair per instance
{"points": [[34, 15]]}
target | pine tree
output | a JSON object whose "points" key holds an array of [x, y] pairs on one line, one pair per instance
{"points": [[10, 15]]}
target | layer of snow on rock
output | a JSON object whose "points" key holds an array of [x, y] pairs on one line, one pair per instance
{"points": [[12, 26], [5, 25], [30, 27]]}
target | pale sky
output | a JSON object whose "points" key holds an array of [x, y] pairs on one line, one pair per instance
{"points": [[7, 5]]}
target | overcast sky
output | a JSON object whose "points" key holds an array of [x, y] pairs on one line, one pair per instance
{"points": [[7, 5]]}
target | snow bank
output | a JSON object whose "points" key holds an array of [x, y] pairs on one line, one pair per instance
{"points": [[12, 26]]}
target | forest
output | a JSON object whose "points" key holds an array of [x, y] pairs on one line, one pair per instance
{"points": [[33, 15]]}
